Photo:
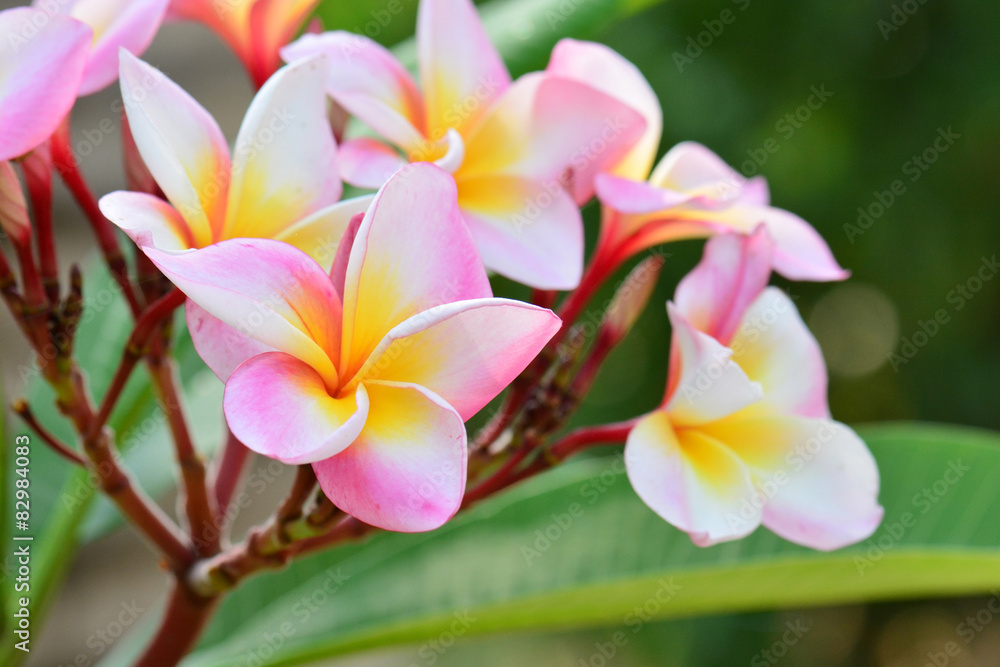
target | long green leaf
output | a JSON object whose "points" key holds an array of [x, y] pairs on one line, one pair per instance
{"points": [[576, 547]]}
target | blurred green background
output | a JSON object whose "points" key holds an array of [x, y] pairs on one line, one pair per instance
{"points": [[899, 75]]}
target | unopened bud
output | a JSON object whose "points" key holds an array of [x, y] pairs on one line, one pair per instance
{"points": [[630, 299], [13, 208]]}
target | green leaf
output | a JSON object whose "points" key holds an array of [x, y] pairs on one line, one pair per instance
{"points": [[576, 547]]}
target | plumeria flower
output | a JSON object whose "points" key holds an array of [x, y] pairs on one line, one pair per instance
{"points": [[513, 147], [376, 365], [253, 29], [281, 182], [128, 24], [40, 76], [744, 435], [692, 193]]}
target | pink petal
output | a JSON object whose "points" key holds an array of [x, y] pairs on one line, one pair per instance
{"points": [[465, 352], [818, 480], [266, 289], [148, 220], [529, 231], [412, 253], [554, 129], [368, 163], [42, 69], [117, 24], [694, 482], [222, 347], [338, 272], [181, 144], [691, 167], [775, 348], [800, 253], [279, 407], [461, 72], [285, 160], [368, 81], [732, 273], [601, 67], [628, 196], [406, 471], [319, 235], [710, 384]]}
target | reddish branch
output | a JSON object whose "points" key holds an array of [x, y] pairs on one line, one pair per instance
{"points": [[69, 171], [37, 168], [199, 506], [24, 412], [228, 470], [184, 619]]}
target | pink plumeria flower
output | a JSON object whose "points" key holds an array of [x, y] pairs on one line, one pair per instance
{"points": [[39, 78], [376, 365], [744, 436], [606, 70], [281, 183], [692, 193], [512, 147], [253, 29], [117, 24]]}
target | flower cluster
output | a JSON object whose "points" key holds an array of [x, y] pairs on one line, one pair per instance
{"points": [[357, 336]]}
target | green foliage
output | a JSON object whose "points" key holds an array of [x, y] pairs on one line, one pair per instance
{"points": [[576, 547]]}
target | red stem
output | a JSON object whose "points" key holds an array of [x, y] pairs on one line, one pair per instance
{"points": [[69, 170], [183, 621], [147, 323], [23, 410], [37, 168], [496, 481], [228, 470], [34, 294], [198, 504], [601, 266], [589, 436]]}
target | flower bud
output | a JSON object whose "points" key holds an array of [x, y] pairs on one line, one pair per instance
{"points": [[630, 300], [13, 208]]}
